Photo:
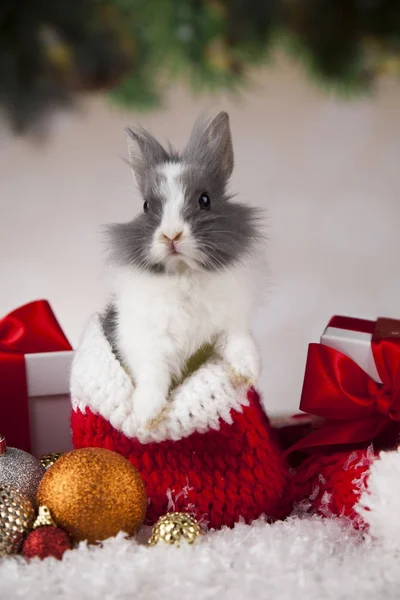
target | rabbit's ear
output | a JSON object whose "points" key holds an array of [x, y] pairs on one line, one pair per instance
{"points": [[144, 151], [211, 143]]}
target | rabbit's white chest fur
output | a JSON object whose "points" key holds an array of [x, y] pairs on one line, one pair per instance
{"points": [[178, 313], [163, 320]]}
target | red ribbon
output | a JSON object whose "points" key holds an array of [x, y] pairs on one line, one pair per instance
{"points": [[356, 408], [29, 329]]}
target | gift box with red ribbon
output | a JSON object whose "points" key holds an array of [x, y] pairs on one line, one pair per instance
{"points": [[352, 383], [35, 362]]}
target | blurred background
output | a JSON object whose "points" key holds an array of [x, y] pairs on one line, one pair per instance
{"points": [[313, 91]]}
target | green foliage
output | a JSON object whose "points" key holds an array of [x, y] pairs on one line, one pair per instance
{"points": [[50, 51]]}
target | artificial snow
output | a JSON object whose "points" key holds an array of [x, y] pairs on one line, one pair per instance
{"points": [[310, 559], [379, 504]]}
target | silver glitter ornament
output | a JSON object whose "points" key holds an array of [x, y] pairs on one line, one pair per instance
{"points": [[20, 470], [16, 519]]}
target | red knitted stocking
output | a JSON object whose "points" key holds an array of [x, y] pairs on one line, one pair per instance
{"points": [[219, 476]]}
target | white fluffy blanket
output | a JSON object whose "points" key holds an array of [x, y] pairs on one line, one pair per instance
{"points": [[310, 559]]}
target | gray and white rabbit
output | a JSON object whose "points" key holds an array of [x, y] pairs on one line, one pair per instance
{"points": [[184, 269]]}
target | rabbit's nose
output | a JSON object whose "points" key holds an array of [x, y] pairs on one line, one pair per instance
{"points": [[175, 237]]}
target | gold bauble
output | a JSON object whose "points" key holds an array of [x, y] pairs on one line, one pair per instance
{"points": [[16, 518], [48, 460], [44, 518], [175, 527], [94, 493]]}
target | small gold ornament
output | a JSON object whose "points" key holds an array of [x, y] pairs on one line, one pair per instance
{"points": [[174, 527], [94, 493], [48, 460], [44, 518], [16, 518]]}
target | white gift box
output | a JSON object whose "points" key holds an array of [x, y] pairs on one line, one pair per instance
{"points": [[353, 337], [48, 375]]}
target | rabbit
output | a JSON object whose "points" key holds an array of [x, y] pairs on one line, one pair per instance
{"points": [[184, 274]]}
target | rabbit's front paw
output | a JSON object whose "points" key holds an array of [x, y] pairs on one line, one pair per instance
{"points": [[242, 358], [237, 379], [149, 406]]}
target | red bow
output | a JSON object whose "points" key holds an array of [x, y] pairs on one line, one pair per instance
{"points": [[29, 329], [356, 408]]}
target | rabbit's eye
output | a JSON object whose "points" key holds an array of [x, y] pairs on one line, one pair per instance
{"points": [[205, 202], [146, 206]]}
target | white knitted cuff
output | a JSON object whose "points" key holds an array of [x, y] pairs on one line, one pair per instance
{"points": [[99, 382]]}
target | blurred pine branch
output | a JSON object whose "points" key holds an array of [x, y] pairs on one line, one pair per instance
{"points": [[51, 50]]}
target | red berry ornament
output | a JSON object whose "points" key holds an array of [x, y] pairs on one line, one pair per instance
{"points": [[46, 541]]}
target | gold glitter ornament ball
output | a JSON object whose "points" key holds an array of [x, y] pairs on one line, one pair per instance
{"points": [[174, 528], [16, 518], [94, 493]]}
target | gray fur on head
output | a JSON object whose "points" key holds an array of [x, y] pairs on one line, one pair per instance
{"points": [[222, 235], [210, 145], [144, 152]]}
